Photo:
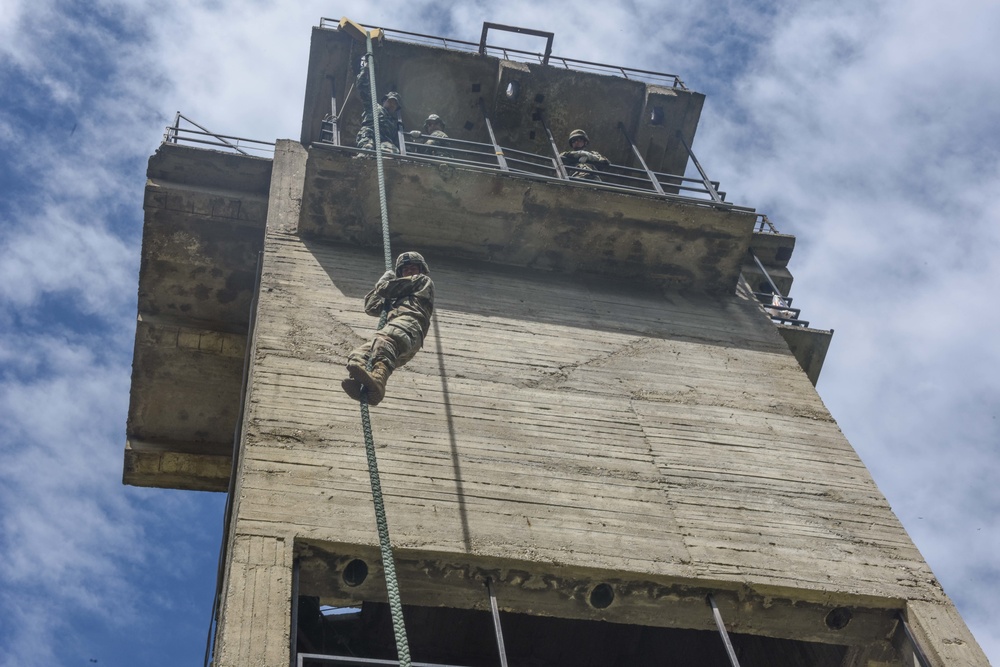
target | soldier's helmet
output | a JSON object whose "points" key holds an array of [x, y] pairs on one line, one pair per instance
{"points": [[578, 133], [411, 258], [393, 95], [434, 118]]}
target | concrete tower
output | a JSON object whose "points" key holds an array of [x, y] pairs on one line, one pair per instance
{"points": [[605, 425]]}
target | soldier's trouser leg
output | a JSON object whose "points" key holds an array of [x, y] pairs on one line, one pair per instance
{"points": [[586, 171], [391, 347], [366, 138]]}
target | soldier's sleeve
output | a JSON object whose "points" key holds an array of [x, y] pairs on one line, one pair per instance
{"points": [[364, 88], [398, 287], [374, 302], [597, 159]]}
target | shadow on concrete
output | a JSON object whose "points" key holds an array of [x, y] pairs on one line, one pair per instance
{"points": [[582, 300]]}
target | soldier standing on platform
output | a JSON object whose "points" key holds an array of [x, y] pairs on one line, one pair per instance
{"points": [[433, 133], [580, 162], [388, 124]]}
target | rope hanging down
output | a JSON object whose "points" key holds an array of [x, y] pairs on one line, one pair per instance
{"points": [[388, 562]]}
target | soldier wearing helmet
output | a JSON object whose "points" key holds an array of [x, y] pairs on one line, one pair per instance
{"points": [[407, 294], [431, 136], [581, 162], [388, 120]]}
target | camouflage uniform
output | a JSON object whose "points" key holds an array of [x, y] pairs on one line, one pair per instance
{"points": [[431, 139], [584, 164], [411, 303], [388, 126], [436, 134]]}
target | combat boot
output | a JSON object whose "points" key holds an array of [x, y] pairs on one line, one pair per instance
{"points": [[352, 387], [374, 380]]}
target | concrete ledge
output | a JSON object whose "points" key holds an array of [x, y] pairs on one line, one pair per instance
{"points": [[171, 470]]}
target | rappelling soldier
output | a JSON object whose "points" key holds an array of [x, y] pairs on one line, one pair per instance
{"points": [[388, 115], [408, 294], [580, 162]]}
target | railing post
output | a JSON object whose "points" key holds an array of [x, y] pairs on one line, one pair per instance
{"points": [[501, 160], [496, 622], [334, 124], [401, 136], [172, 132], [767, 275], [917, 651], [294, 645], [722, 632], [560, 167], [635, 151], [704, 177]]}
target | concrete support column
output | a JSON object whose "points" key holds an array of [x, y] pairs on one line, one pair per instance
{"points": [[943, 635], [287, 182], [254, 628]]}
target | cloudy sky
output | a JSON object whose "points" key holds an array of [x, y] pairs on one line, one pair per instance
{"points": [[868, 129]]}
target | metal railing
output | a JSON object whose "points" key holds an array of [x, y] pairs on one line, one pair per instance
{"points": [[764, 225], [519, 55], [176, 134], [494, 157], [321, 660], [777, 306]]}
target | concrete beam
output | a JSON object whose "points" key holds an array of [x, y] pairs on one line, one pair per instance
{"points": [[434, 580]]}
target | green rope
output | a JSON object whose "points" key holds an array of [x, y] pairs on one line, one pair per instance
{"points": [[388, 562], [378, 159]]}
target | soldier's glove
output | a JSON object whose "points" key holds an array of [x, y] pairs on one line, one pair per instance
{"points": [[387, 276], [415, 134]]}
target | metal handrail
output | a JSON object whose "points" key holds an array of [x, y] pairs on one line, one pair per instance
{"points": [[776, 305], [304, 658], [175, 134], [519, 55], [764, 225], [615, 177]]}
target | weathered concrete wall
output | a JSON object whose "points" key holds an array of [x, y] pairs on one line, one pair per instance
{"points": [[558, 432], [507, 219], [204, 227]]}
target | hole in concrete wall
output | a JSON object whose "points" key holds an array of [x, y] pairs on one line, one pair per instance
{"points": [[656, 116], [513, 90], [356, 572], [469, 125], [531, 135], [838, 618], [476, 87], [539, 98], [602, 596], [537, 115]]}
